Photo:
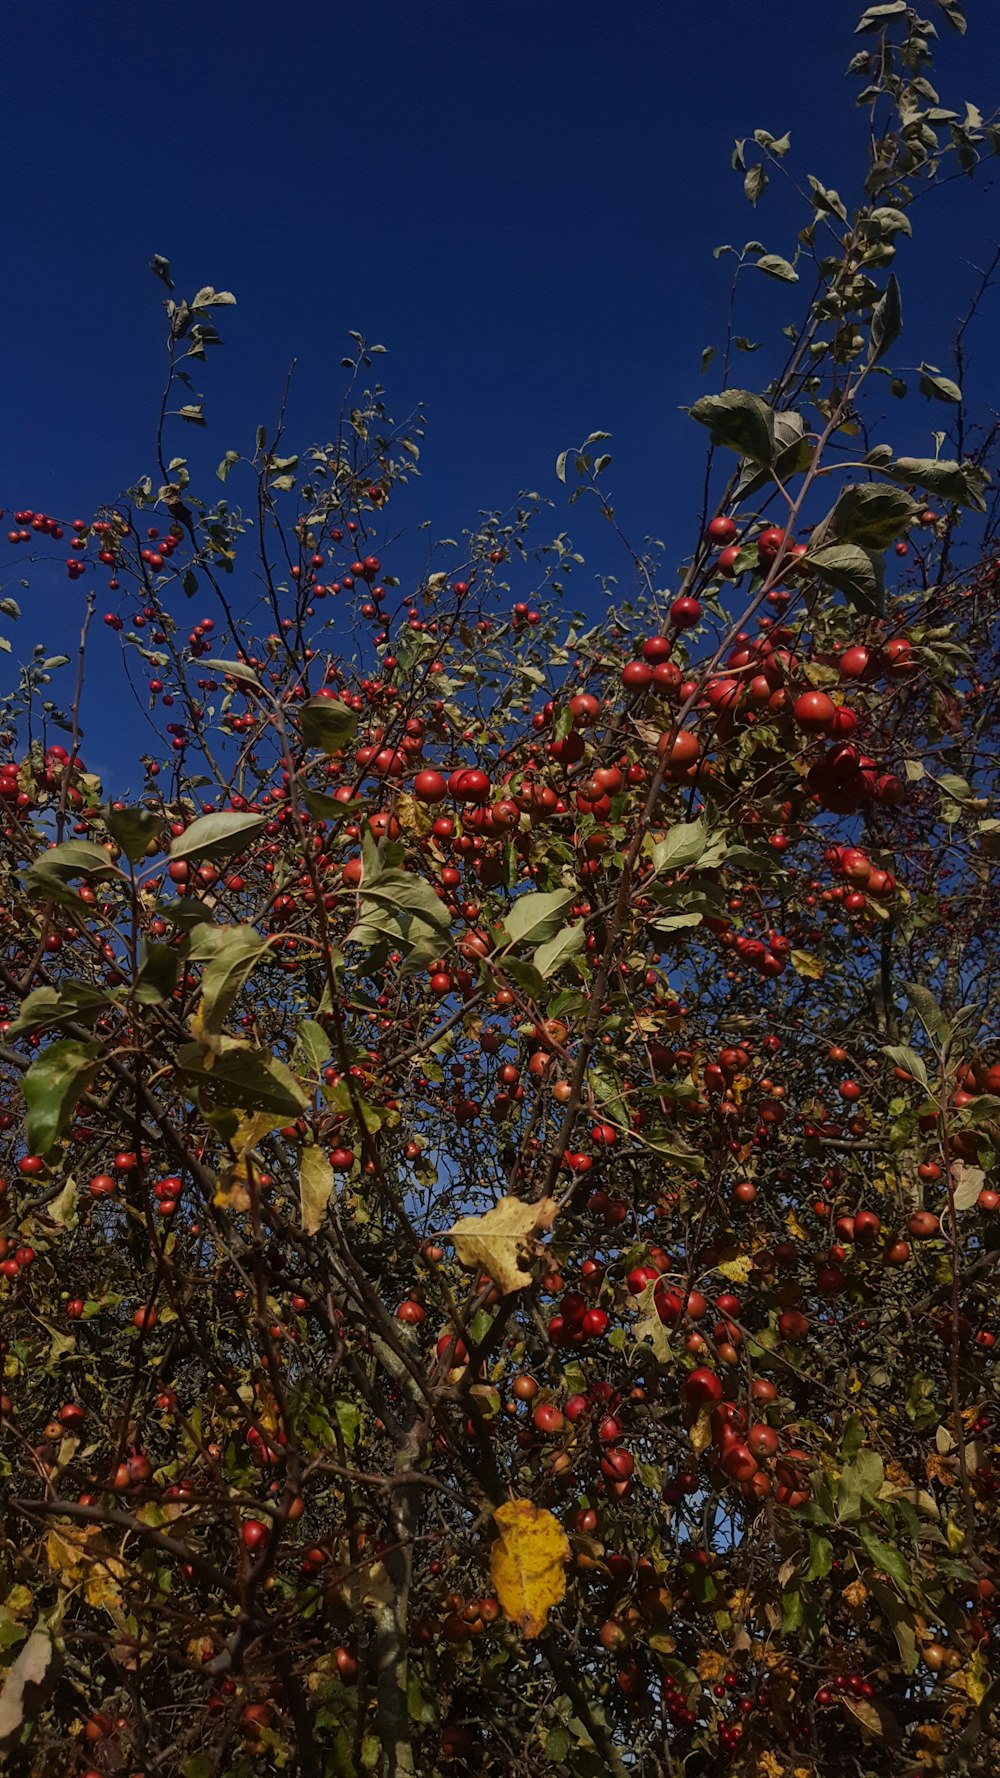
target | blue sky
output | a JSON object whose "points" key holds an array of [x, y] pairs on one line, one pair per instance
{"points": [[519, 200]]}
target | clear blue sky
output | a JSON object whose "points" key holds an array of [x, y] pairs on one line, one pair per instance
{"points": [[519, 200]]}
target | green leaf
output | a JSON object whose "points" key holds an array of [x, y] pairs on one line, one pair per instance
{"points": [[159, 968], [853, 571], [216, 836], [891, 221], [938, 388], [132, 830], [557, 950], [820, 1556], [233, 669], [329, 809], [50, 874], [776, 267], [776, 145], [954, 14], [887, 319], [315, 1188], [536, 915], [827, 201], [682, 845], [52, 1086], [237, 1075], [907, 1058], [398, 908], [328, 724], [312, 1046], [962, 483], [860, 1480], [44, 1007], [877, 16], [871, 515], [791, 1608], [526, 977], [349, 1420], [927, 1009], [239, 949], [740, 421], [885, 1557]]}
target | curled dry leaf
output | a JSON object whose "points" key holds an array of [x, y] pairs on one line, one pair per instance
{"points": [[528, 1563], [501, 1242], [29, 1668]]}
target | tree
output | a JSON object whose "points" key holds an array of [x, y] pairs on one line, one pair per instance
{"points": [[499, 1226]]}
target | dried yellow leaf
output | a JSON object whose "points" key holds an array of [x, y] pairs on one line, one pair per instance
{"points": [[736, 1270], [500, 1242], [528, 1563], [315, 1188], [701, 1432]]}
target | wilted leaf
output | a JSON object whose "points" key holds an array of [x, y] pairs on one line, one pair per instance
{"points": [[29, 1668], [528, 1564], [776, 267], [805, 964], [736, 1270], [63, 1209], [968, 1183], [315, 1188], [500, 1241], [887, 315]]}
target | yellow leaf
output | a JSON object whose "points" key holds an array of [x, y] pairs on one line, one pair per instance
{"points": [[711, 1664], [976, 1678], [736, 1270], [231, 1195], [528, 1563], [65, 1554], [700, 1436], [62, 1210], [768, 1765], [499, 1242], [805, 964], [17, 1600], [866, 1714], [315, 1188]]}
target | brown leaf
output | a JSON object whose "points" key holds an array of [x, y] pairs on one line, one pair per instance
{"points": [[501, 1241], [30, 1668], [528, 1563]]}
